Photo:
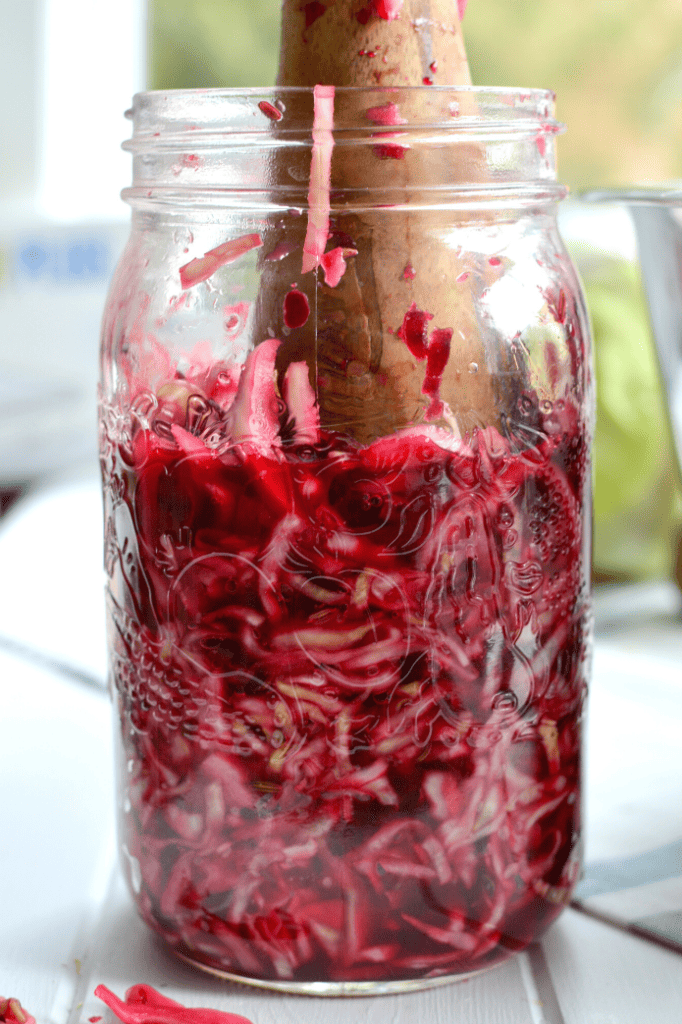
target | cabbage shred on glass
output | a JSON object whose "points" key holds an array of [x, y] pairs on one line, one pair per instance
{"points": [[350, 665]]}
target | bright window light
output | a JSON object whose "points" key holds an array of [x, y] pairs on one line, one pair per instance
{"points": [[94, 62]]}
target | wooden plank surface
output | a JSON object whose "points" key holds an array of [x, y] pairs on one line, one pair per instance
{"points": [[604, 976], [56, 802]]}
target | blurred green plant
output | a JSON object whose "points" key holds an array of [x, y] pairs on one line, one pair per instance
{"points": [[637, 501], [203, 44], [616, 67]]}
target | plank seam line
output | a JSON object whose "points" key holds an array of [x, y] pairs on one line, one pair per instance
{"points": [[542, 998]]}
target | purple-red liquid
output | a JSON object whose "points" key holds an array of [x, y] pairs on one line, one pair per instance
{"points": [[350, 680]]}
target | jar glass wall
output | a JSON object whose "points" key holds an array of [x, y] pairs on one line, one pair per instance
{"points": [[346, 412]]}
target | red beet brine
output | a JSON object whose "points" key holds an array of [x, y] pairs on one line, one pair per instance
{"points": [[352, 686], [347, 543]]}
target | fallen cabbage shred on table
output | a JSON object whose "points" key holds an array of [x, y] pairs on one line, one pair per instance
{"points": [[12, 1012], [145, 1005]]}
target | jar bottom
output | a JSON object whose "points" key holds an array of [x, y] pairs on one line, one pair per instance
{"points": [[338, 988]]}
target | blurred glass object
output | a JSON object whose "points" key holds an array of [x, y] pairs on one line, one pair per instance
{"points": [[638, 507]]}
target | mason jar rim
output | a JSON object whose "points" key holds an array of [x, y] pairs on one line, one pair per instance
{"points": [[158, 115], [251, 90], [182, 138]]}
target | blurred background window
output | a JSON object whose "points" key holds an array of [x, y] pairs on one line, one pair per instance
{"points": [[68, 69]]}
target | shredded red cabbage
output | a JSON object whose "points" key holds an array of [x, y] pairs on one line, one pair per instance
{"points": [[350, 679]]}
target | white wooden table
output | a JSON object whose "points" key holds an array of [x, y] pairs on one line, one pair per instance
{"points": [[67, 924]]}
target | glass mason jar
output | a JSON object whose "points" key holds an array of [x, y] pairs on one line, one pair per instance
{"points": [[346, 410]]}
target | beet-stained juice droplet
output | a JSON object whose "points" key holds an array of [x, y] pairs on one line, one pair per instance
{"points": [[270, 111], [296, 309], [436, 360], [388, 9], [312, 11], [389, 151], [413, 330]]}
